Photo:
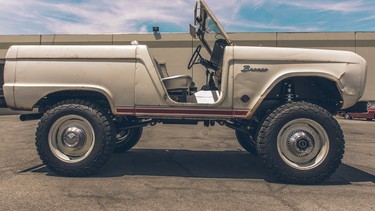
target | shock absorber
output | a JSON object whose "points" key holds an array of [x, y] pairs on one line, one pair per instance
{"points": [[289, 92]]}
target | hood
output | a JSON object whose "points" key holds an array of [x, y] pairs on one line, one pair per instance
{"points": [[296, 55]]}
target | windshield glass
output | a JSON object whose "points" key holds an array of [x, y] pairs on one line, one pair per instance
{"points": [[210, 26], [210, 29]]}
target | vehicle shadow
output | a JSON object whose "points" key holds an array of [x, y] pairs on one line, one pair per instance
{"points": [[204, 164]]}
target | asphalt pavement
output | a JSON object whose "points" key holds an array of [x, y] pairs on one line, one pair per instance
{"points": [[179, 167]]}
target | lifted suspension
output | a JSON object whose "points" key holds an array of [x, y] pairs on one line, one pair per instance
{"points": [[289, 91]]}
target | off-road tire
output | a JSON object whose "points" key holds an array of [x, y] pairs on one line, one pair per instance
{"points": [[132, 138], [247, 141], [91, 116], [303, 115]]}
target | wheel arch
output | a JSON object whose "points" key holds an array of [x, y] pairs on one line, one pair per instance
{"points": [[54, 97], [320, 90]]}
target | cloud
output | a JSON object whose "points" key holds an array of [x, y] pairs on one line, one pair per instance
{"points": [[255, 26], [138, 16], [368, 18], [96, 16], [295, 16], [342, 6]]}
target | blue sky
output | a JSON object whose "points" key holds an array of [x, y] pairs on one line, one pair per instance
{"points": [[138, 16]]}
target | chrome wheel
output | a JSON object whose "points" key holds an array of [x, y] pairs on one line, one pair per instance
{"points": [[71, 138], [122, 135], [303, 144], [127, 139]]}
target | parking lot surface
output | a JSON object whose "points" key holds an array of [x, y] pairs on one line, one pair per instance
{"points": [[179, 167]]}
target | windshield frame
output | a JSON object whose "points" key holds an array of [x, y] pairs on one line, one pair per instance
{"points": [[204, 16]]}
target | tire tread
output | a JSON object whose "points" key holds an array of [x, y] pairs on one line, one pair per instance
{"points": [[107, 145], [264, 146]]}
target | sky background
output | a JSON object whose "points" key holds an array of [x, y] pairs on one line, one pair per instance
{"points": [[138, 16]]}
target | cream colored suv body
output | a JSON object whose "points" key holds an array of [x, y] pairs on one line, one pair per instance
{"points": [[279, 100], [128, 77], [129, 80]]}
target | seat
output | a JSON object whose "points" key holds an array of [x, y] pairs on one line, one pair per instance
{"points": [[178, 86], [178, 82], [218, 52], [217, 58], [174, 83]]}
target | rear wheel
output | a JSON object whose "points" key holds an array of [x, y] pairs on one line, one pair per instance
{"points": [[369, 119], [301, 143], [75, 138], [247, 141]]}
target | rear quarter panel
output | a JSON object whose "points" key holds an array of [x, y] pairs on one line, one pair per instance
{"points": [[43, 70]]}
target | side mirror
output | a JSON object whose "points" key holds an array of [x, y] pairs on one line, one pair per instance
{"points": [[193, 31]]}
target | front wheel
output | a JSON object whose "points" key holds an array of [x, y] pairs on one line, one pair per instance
{"points": [[301, 143], [75, 138]]}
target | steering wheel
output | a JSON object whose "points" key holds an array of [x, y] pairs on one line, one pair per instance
{"points": [[195, 56]]}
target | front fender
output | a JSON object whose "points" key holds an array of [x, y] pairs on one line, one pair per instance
{"points": [[257, 70], [261, 94]]}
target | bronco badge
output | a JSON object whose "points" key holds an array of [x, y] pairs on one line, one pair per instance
{"points": [[247, 68]]}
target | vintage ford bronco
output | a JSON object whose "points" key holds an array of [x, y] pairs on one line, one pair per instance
{"points": [[93, 100]]}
